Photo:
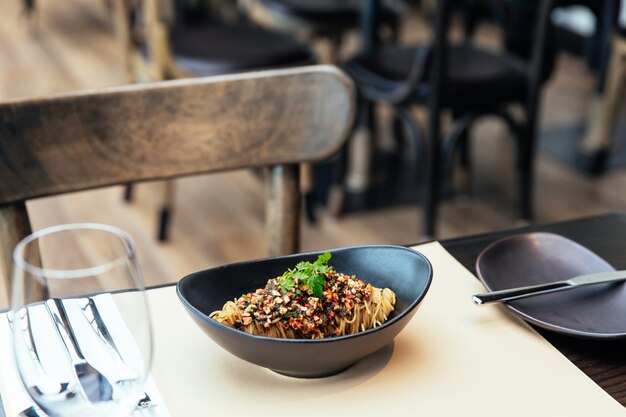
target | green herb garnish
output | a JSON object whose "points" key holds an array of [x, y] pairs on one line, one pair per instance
{"points": [[310, 275]]}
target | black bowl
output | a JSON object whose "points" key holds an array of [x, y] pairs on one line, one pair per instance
{"points": [[405, 271]]}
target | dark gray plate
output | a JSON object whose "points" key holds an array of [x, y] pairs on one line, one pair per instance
{"points": [[594, 312]]}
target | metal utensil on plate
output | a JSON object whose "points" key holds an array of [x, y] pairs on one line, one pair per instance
{"points": [[529, 291]]}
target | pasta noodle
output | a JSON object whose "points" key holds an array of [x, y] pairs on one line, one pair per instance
{"points": [[311, 301]]}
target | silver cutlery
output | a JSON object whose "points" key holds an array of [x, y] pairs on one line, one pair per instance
{"points": [[529, 291], [120, 372], [36, 411], [91, 383], [45, 384], [97, 324], [94, 384]]}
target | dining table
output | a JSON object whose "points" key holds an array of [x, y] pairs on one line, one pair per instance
{"points": [[603, 361], [453, 358]]}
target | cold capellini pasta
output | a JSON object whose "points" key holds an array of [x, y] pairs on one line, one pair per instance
{"points": [[310, 301]]}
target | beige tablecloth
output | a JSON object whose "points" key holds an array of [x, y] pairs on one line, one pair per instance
{"points": [[453, 359]]}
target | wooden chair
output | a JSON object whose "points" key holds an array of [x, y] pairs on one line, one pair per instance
{"points": [[159, 47], [276, 119]]}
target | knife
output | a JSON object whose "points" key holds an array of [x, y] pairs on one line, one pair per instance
{"points": [[523, 292]]}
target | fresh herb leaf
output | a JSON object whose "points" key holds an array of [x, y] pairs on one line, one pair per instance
{"points": [[307, 274], [322, 260], [287, 281], [316, 285], [302, 265]]}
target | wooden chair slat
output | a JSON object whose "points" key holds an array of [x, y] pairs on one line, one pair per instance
{"points": [[170, 129]]}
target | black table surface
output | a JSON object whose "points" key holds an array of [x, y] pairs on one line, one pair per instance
{"points": [[603, 361]]}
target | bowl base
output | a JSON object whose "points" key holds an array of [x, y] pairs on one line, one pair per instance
{"points": [[309, 375]]}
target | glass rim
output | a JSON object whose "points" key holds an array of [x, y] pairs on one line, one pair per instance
{"points": [[79, 272]]}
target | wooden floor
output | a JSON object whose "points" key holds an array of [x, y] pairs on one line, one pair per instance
{"points": [[219, 218]]}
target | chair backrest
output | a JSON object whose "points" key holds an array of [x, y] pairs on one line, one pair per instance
{"points": [[85, 140], [142, 28], [434, 61]]}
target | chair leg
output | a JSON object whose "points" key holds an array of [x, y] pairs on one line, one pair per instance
{"points": [[525, 137], [165, 214], [466, 159], [457, 139], [352, 168], [361, 149], [526, 145], [597, 142], [336, 41], [337, 192], [433, 180], [164, 222], [407, 128], [128, 193], [308, 192]]}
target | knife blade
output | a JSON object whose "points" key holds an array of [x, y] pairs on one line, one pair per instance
{"points": [[531, 290]]}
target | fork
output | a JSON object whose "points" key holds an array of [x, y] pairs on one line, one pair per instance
{"points": [[46, 385], [87, 375], [122, 373]]}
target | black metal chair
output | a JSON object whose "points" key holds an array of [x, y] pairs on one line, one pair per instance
{"points": [[470, 81], [593, 149]]}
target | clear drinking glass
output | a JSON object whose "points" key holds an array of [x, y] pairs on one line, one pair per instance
{"points": [[81, 328]]}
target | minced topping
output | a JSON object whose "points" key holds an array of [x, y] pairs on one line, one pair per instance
{"points": [[307, 299]]}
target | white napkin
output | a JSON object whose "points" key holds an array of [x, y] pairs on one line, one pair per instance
{"points": [[15, 396]]}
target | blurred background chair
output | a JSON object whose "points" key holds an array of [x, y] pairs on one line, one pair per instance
{"points": [[327, 19], [167, 130], [335, 23], [463, 78], [185, 39], [499, 27]]}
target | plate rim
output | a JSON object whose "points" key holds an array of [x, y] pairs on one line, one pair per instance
{"points": [[538, 322]]}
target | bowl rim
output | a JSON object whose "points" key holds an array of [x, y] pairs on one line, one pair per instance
{"points": [[386, 324]]}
